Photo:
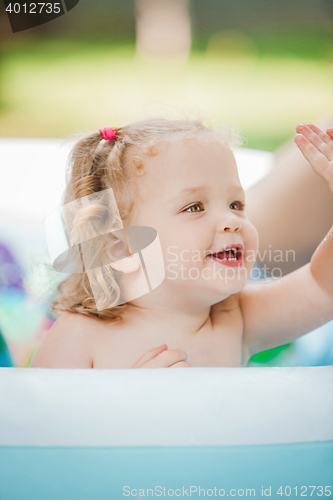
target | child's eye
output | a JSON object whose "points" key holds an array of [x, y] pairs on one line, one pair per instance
{"points": [[237, 205], [194, 206]]}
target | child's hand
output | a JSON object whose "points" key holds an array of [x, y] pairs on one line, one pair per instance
{"points": [[162, 357], [317, 147]]}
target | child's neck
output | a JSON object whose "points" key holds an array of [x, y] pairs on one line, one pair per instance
{"points": [[177, 311], [173, 320]]}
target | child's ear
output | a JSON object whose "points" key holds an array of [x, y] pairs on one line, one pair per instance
{"points": [[128, 265], [119, 258]]}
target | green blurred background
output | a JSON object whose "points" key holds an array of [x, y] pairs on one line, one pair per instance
{"points": [[264, 66]]}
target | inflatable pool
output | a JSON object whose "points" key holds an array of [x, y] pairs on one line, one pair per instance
{"points": [[196, 432]]}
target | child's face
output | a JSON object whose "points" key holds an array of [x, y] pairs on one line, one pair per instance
{"points": [[192, 196]]}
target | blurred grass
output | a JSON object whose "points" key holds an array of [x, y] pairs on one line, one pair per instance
{"points": [[54, 87]]}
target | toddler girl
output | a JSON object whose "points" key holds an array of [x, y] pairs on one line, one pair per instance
{"points": [[179, 178]]}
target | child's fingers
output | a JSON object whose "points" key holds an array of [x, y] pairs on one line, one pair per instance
{"points": [[329, 132], [311, 153], [308, 149], [325, 137], [318, 161], [180, 364], [166, 359], [323, 143], [150, 355]]}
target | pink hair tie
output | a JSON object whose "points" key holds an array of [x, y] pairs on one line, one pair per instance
{"points": [[108, 133]]}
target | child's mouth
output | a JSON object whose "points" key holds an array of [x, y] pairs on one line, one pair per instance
{"points": [[231, 256]]}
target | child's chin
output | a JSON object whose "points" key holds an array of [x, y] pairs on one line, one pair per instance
{"points": [[227, 288], [232, 288]]}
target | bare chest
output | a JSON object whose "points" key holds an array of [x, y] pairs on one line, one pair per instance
{"points": [[215, 346]]}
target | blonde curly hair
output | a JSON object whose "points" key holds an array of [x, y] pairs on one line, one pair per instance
{"points": [[95, 166]]}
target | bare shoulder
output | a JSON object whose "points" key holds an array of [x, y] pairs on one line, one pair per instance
{"points": [[68, 343]]}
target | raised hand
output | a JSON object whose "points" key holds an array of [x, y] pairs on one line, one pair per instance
{"points": [[162, 357], [317, 147]]}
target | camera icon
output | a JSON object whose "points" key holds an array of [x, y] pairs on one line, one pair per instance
{"points": [[87, 235]]}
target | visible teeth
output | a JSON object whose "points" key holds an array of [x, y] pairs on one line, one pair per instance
{"points": [[228, 254], [225, 256]]}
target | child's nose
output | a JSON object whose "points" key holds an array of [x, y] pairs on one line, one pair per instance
{"points": [[230, 225]]}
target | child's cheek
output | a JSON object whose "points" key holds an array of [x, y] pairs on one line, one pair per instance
{"points": [[182, 262], [251, 242]]}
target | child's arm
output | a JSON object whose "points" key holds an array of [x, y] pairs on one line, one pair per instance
{"points": [[280, 311]]}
